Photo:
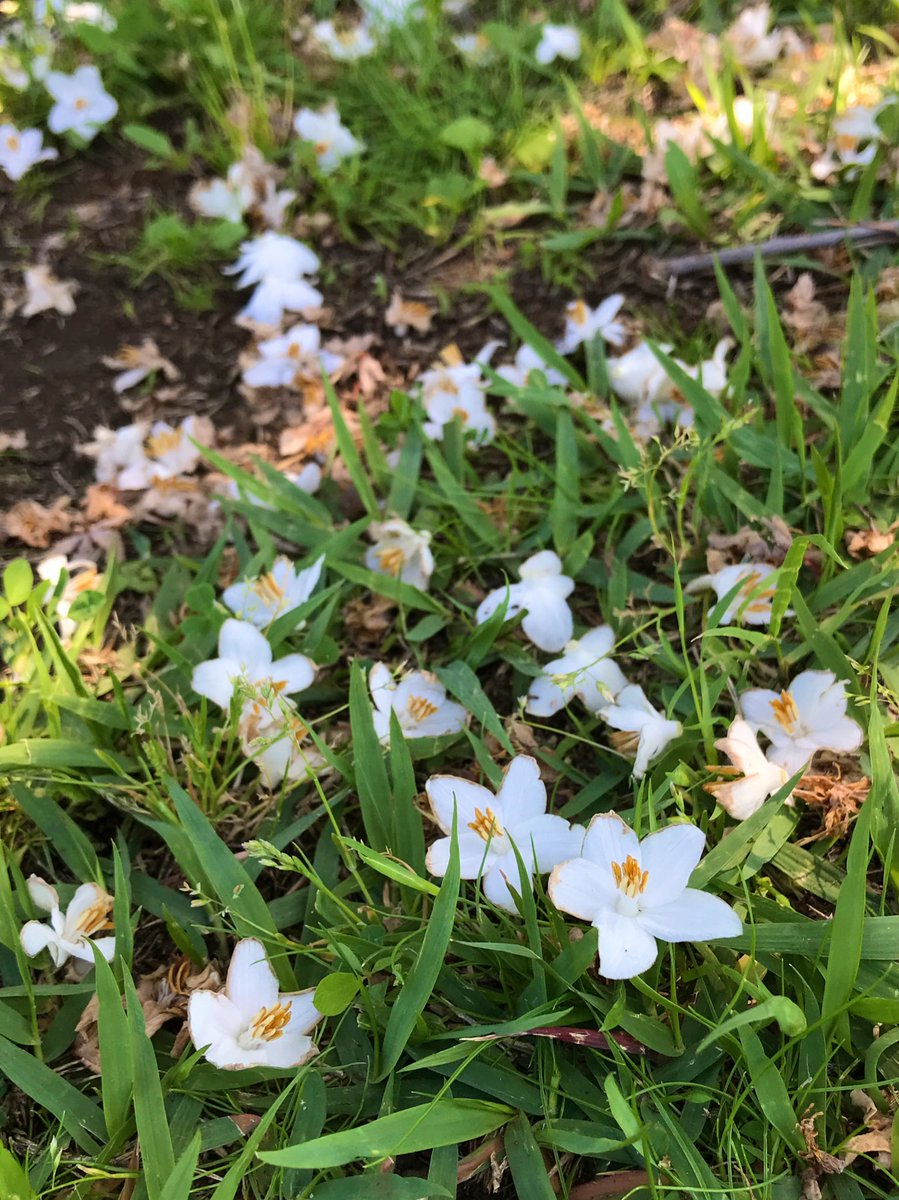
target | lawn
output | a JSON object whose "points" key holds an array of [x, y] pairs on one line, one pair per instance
{"points": [[449, 673]]}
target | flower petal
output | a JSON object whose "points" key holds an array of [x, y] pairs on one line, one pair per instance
{"points": [[252, 983], [295, 671], [670, 856], [43, 895], [35, 936], [626, 948], [304, 1016], [693, 917], [581, 888], [473, 860], [549, 839], [493, 600], [498, 883], [522, 793], [609, 839], [545, 698], [242, 642], [548, 621], [215, 680], [447, 793]]}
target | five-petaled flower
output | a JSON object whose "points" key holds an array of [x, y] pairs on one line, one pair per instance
{"points": [[636, 891], [585, 670], [542, 595], [488, 827], [583, 324], [69, 934], [400, 551], [419, 701], [641, 730], [752, 778], [330, 138], [558, 41], [245, 657], [82, 105], [251, 1023], [266, 597], [346, 43], [21, 149], [756, 585], [807, 716], [456, 389]]}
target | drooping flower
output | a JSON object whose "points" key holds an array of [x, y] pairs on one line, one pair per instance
{"points": [[276, 264], [752, 776], [344, 44], [292, 360], [642, 731], [543, 595], [83, 106], [332, 140], [251, 1023], [267, 597], [68, 935], [21, 149], [402, 552], [488, 826], [134, 364], [45, 293], [419, 701], [558, 41], [752, 603], [583, 324], [273, 735], [634, 892], [585, 670], [527, 360], [808, 716], [749, 39], [245, 658], [81, 576]]}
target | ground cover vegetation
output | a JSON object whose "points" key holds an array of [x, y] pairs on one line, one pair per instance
{"points": [[450, 680]]}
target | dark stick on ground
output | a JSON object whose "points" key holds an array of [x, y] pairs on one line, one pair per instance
{"points": [[871, 233]]}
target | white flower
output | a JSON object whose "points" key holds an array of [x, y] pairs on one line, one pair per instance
{"points": [[457, 390], [137, 363], [402, 552], [636, 891], [857, 125], [688, 133], [245, 657], [267, 597], [82, 104], [488, 826], [752, 603], [276, 263], [116, 449], [808, 716], [642, 730], [251, 1023], [274, 297], [90, 14], [583, 324], [44, 292], [167, 453], [69, 934], [20, 149], [388, 13], [640, 379], [308, 479], [419, 701], [216, 199], [251, 186], [584, 670], [333, 141], [543, 593], [475, 47], [749, 39], [272, 735], [526, 361], [558, 41], [758, 779], [81, 576], [402, 315], [347, 44], [292, 359]]}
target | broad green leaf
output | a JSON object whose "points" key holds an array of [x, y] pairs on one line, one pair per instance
{"points": [[78, 1115]]}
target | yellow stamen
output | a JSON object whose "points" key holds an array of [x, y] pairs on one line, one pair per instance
{"points": [[625, 741], [267, 588], [94, 918], [81, 104], [485, 824], [460, 412], [13, 143], [420, 707], [785, 712], [629, 878], [391, 559], [577, 312], [269, 1023], [162, 443]]}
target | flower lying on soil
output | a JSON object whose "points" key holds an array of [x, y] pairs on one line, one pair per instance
{"points": [[137, 363], [642, 731], [82, 105], [166, 453], [456, 389], [584, 670], [276, 264], [249, 188], [753, 776], [419, 701], [21, 149], [245, 658], [558, 41], [403, 315], [636, 891], [251, 1023], [266, 597], [331, 139], [542, 595], [292, 360], [752, 603], [402, 552], [70, 934], [527, 360], [45, 293], [488, 826], [583, 324], [749, 40], [808, 716]]}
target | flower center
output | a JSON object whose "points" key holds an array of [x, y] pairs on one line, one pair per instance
{"points": [[322, 148], [13, 143], [161, 443], [460, 412], [630, 878], [93, 919], [391, 559], [625, 741], [81, 104], [267, 588], [785, 712], [485, 825], [84, 581], [762, 601], [577, 313], [420, 707], [269, 1023]]}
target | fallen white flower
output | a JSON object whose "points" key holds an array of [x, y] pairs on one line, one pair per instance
{"points": [[583, 324], [454, 390], [401, 552], [752, 603], [419, 701], [543, 595], [21, 149], [634, 892], [345, 44], [167, 453], [308, 479], [70, 934], [758, 779], [273, 735], [276, 264], [251, 1023], [488, 826], [282, 589], [527, 360], [642, 731], [748, 37], [584, 670], [245, 659], [136, 363], [44, 292], [808, 716], [294, 358], [82, 105]]}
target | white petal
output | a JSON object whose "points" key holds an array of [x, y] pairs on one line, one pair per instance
{"points": [[35, 937], [289, 1050], [670, 856], [693, 917], [449, 718], [522, 793], [550, 838], [472, 857], [244, 644], [43, 895], [609, 839], [626, 949], [755, 705], [493, 600], [381, 686], [295, 671], [548, 622], [214, 679], [496, 883], [545, 698], [252, 983], [581, 888], [85, 897], [448, 793], [304, 1016]]}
